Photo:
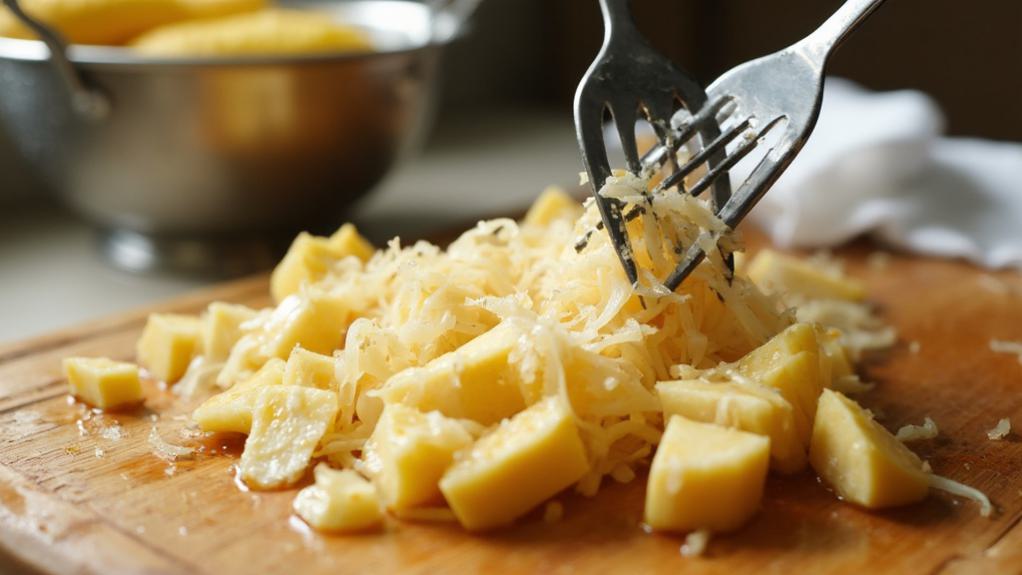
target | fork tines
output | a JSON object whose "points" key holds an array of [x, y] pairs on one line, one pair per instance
{"points": [[719, 109], [780, 93], [714, 155]]}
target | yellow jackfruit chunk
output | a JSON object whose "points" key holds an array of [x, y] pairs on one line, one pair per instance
{"points": [[340, 501], [312, 319], [168, 344], [231, 410], [790, 362], [306, 261], [346, 241], [778, 273], [746, 407], [835, 355], [244, 359], [860, 459], [705, 476], [516, 467], [409, 452], [309, 318], [287, 424], [221, 329], [553, 204], [474, 381], [116, 21], [310, 257], [102, 382], [264, 32], [310, 369]]}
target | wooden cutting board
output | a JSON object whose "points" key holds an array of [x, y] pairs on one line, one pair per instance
{"points": [[78, 497]]}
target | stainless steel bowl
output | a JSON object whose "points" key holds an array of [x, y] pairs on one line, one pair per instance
{"points": [[184, 162]]}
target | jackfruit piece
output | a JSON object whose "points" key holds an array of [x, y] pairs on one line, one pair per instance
{"points": [[310, 369], [102, 382], [167, 345], [310, 257], [516, 467], [287, 424], [231, 410], [474, 381], [747, 407], [312, 319], [346, 241], [409, 452], [221, 329], [265, 32], [115, 22], [836, 356], [861, 460], [339, 501], [790, 362], [778, 273], [553, 204], [705, 476]]}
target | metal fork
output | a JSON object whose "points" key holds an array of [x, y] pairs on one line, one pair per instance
{"points": [[777, 95], [629, 78]]}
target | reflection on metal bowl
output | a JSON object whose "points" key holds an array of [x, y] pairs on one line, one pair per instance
{"points": [[215, 151]]}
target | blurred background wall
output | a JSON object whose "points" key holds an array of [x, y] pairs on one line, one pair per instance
{"points": [[968, 55], [531, 53]]}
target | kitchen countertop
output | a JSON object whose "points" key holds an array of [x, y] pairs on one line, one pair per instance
{"points": [[52, 274]]}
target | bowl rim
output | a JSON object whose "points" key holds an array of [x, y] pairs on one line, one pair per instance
{"points": [[24, 50]]}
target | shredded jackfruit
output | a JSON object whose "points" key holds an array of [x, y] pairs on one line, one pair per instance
{"points": [[581, 330], [1009, 347], [168, 451], [861, 330], [1001, 430], [695, 543], [955, 488], [588, 337], [928, 430]]}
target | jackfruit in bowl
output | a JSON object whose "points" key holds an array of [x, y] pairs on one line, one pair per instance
{"points": [[190, 28], [273, 31], [116, 22]]}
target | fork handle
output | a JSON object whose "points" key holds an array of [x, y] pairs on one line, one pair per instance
{"points": [[831, 33], [617, 20]]}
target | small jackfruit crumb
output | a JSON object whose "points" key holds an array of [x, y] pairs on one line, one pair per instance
{"points": [[1001, 430], [1002, 346], [695, 543], [851, 384], [928, 430], [168, 451]]}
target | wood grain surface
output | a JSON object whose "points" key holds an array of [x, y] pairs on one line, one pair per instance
{"points": [[76, 498]]}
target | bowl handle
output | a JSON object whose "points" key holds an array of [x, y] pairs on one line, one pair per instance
{"points": [[87, 102]]}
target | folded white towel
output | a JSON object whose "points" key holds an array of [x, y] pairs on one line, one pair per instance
{"points": [[876, 164]]}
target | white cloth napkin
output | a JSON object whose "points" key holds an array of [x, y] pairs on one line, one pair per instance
{"points": [[876, 164]]}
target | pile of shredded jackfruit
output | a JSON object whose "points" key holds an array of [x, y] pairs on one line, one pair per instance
{"points": [[520, 361], [587, 334]]}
